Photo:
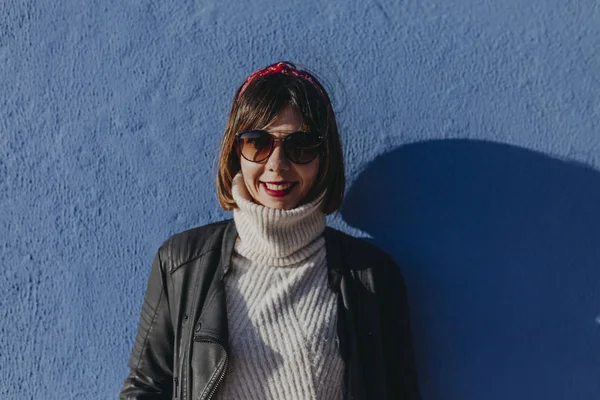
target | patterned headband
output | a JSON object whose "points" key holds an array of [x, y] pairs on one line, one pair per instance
{"points": [[280, 68]]}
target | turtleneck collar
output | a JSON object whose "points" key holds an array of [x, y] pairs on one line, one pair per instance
{"points": [[276, 237]]}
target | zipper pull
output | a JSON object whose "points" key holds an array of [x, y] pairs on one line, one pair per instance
{"points": [[176, 386]]}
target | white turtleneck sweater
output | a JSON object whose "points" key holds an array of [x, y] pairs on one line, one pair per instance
{"points": [[281, 312]]}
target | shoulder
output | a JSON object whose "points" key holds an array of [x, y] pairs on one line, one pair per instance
{"points": [[364, 260], [192, 243], [357, 249]]}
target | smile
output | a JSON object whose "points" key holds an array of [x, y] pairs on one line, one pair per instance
{"points": [[278, 189], [279, 186]]}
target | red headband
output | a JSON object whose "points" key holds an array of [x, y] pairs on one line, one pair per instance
{"points": [[280, 68]]}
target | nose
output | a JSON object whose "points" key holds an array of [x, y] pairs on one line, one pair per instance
{"points": [[277, 160]]}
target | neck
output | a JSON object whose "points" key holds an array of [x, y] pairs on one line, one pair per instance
{"points": [[276, 237]]}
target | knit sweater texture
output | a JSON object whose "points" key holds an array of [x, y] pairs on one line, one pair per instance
{"points": [[280, 309]]}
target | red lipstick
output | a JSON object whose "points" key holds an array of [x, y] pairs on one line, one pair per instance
{"points": [[276, 189]]}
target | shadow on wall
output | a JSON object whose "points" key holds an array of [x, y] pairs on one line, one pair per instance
{"points": [[500, 248]]}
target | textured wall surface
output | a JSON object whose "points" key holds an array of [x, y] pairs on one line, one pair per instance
{"points": [[471, 135]]}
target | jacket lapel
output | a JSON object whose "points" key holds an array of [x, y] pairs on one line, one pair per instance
{"points": [[210, 343], [211, 323], [341, 282]]}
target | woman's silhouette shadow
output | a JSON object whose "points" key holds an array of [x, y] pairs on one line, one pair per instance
{"points": [[500, 248]]}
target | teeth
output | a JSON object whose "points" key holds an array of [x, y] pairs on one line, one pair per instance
{"points": [[272, 186]]}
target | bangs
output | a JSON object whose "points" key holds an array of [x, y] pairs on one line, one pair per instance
{"points": [[264, 99]]}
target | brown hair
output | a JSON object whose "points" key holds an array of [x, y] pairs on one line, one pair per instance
{"points": [[259, 104]]}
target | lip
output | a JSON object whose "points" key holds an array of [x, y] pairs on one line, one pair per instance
{"points": [[278, 182], [278, 193]]}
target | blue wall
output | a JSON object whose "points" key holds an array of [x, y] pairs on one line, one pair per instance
{"points": [[471, 135]]}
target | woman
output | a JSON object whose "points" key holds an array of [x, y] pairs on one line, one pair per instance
{"points": [[274, 305]]}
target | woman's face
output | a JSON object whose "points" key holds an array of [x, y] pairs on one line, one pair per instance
{"points": [[277, 182]]}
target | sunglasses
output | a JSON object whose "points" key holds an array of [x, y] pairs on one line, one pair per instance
{"points": [[299, 147]]}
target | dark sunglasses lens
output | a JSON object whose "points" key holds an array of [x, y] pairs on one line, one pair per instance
{"points": [[255, 145], [303, 147]]}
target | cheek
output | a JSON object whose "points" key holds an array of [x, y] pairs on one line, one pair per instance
{"points": [[247, 167], [310, 172], [250, 172]]}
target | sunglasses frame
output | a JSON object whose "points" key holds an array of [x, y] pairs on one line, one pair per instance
{"points": [[274, 140]]}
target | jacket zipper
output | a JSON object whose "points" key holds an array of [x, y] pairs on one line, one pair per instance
{"points": [[176, 386], [223, 370]]}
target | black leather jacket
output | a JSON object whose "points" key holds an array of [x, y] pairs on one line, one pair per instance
{"points": [[181, 348]]}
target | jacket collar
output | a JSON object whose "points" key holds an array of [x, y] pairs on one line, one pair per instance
{"points": [[334, 258], [229, 238]]}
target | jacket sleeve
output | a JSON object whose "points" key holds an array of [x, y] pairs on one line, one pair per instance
{"points": [[401, 370], [151, 375]]}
